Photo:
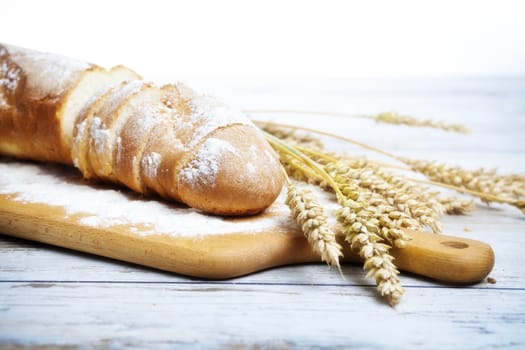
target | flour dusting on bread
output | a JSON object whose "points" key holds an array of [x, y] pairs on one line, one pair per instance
{"points": [[203, 169], [150, 163]]}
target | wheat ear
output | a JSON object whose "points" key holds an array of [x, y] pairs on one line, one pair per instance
{"points": [[360, 232], [394, 118], [487, 185], [309, 215]]}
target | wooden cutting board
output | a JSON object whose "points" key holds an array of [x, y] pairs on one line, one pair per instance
{"points": [[52, 204]]}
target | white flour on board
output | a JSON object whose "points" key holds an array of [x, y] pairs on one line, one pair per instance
{"points": [[103, 207]]}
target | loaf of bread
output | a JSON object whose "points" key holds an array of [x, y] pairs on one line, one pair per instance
{"points": [[115, 127]]}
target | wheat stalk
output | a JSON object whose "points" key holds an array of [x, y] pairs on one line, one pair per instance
{"points": [[384, 117], [377, 207], [292, 137], [513, 180], [362, 227]]}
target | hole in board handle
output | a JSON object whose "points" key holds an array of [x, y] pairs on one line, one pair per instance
{"points": [[455, 244]]}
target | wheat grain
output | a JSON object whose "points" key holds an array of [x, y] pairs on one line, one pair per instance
{"points": [[455, 205]]}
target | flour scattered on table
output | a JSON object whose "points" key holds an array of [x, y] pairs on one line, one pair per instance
{"points": [[104, 207]]}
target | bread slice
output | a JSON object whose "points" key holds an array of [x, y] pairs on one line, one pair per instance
{"points": [[164, 148], [51, 90], [107, 120], [88, 86], [143, 114], [80, 141]]}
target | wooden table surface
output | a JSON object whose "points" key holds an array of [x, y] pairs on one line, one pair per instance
{"points": [[56, 298]]}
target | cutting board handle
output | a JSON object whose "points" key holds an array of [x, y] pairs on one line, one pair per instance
{"points": [[445, 258]]}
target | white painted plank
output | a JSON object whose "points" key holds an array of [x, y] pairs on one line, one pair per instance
{"points": [[139, 315]]}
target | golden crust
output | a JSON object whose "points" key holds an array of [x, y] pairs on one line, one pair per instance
{"points": [[245, 179]]}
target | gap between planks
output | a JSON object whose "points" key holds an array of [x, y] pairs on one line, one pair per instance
{"points": [[212, 283]]}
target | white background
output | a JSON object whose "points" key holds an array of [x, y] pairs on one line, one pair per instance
{"points": [[278, 39]]}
